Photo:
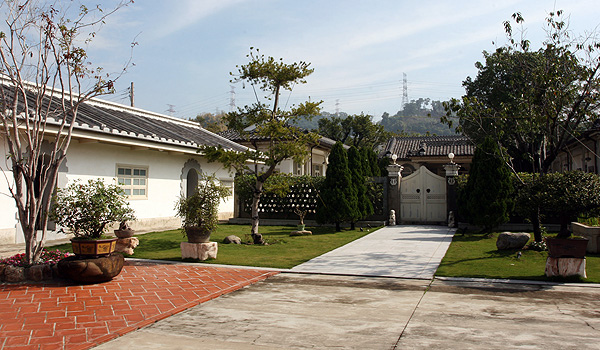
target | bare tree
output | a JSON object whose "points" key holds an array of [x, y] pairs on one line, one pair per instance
{"points": [[45, 76]]}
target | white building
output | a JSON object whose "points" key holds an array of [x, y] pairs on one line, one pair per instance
{"points": [[154, 156]]}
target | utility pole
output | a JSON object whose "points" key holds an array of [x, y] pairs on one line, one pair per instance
{"points": [[131, 94]]}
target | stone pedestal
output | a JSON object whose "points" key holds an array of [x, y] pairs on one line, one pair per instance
{"points": [[126, 245], [201, 251], [565, 267]]}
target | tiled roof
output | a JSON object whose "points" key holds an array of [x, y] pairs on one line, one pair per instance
{"points": [[428, 146], [120, 120], [251, 136]]}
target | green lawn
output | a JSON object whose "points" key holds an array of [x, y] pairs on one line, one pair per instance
{"points": [[477, 256], [283, 251]]}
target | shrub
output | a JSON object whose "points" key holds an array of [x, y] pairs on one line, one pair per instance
{"points": [[87, 208], [201, 209]]}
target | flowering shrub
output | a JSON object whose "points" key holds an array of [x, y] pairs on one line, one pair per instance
{"points": [[48, 257]]}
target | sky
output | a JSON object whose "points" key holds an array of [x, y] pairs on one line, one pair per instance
{"points": [[359, 50]]}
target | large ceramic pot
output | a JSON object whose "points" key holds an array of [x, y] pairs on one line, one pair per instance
{"points": [[93, 248], [196, 234], [566, 247]]}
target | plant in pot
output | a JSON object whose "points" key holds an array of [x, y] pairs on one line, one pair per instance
{"points": [[85, 209], [567, 195], [200, 211], [301, 214]]}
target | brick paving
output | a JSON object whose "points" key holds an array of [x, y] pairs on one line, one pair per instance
{"points": [[61, 315]]}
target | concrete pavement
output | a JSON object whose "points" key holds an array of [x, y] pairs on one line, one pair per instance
{"points": [[405, 251], [304, 311], [340, 300]]}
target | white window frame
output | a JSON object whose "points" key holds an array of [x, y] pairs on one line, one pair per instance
{"points": [[133, 179]]}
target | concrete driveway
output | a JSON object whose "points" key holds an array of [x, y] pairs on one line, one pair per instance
{"points": [[301, 311], [343, 300]]}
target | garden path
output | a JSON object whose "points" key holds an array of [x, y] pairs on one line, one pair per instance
{"points": [[406, 251]]}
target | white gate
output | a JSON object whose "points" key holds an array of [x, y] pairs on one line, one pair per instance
{"points": [[423, 197]]}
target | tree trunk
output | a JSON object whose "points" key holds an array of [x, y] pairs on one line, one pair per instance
{"points": [[352, 225], [338, 228], [258, 189], [536, 223], [564, 223]]}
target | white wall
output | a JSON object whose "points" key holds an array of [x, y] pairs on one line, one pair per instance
{"points": [[8, 211], [97, 160], [165, 183]]}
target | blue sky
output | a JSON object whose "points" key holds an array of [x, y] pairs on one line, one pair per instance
{"points": [[359, 49]]}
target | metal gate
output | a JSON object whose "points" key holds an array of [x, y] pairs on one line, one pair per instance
{"points": [[423, 197]]}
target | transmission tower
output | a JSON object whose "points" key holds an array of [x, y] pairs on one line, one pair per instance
{"points": [[171, 109], [404, 90], [232, 98]]}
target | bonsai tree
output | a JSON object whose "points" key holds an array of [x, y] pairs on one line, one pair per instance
{"points": [[86, 209], [568, 195], [199, 212]]}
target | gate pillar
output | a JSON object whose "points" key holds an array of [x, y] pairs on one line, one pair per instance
{"points": [[393, 185], [451, 204]]}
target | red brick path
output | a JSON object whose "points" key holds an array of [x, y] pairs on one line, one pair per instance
{"points": [[60, 315]]}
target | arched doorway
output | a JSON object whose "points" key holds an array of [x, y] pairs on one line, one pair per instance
{"points": [[192, 182]]}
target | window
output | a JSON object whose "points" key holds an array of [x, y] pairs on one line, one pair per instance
{"points": [[298, 167], [317, 170], [134, 181]]}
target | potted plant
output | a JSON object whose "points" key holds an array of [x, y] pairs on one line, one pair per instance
{"points": [[200, 211], [85, 209], [301, 214], [567, 195]]}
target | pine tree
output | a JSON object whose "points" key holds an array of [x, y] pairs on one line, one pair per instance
{"points": [[338, 198], [489, 187], [364, 207], [365, 154]]}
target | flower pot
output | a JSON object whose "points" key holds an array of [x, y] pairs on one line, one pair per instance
{"points": [[93, 248], [127, 233], [196, 234], [566, 247], [301, 227], [590, 232]]}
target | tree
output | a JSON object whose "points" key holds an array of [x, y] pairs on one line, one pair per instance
{"points": [[45, 77], [355, 130], [337, 198], [488, 188], [211, 122], [267, 122], [356, 165], [532, 102]]}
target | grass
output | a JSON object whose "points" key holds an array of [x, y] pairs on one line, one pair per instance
{"points": [[283, 251], [472, 255]]}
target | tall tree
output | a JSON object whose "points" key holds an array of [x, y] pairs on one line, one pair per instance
{"points": [[532, 102], [267, 122], [337, 198], [356, 165], [45, 76], [489, 188]]}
